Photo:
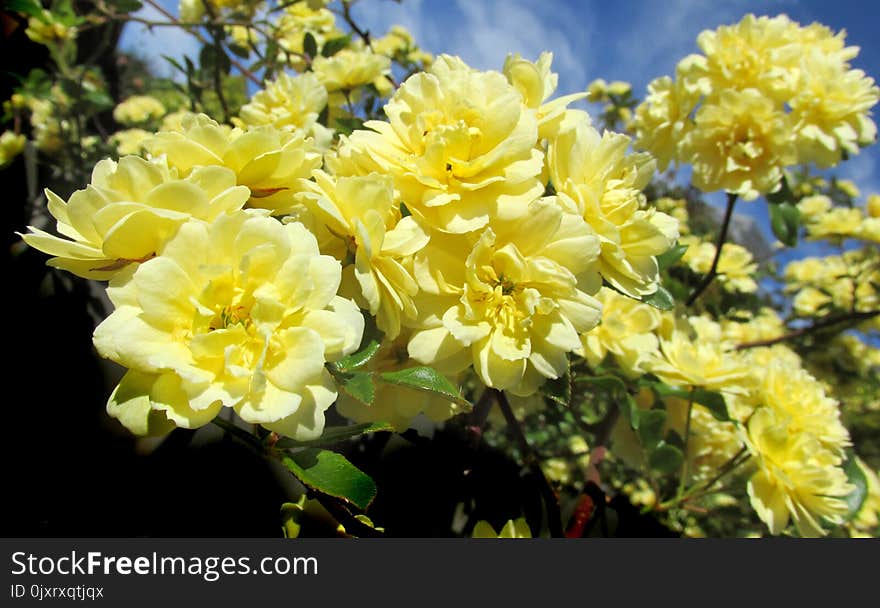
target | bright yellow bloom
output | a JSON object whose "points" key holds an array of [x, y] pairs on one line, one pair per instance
{"points": [[735, 266], [287, 102], [241, 313], [129, 211], [459, 145], [138, 109], [830, 111], [376, 245], [536, 83], [299, 18], [130, 141], [520, 309], [762, 326], [352, 68], [46, 30], [797, 477], [626, 331], [873, 205], [662, 120], [813, 208], [11, 145], [512, 529], [740, 143], [604, 183], [267, 160], [699, 362]]}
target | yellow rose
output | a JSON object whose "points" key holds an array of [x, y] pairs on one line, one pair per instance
{"points": [[352, 68], [241, 313], [376, 245], [267, 160], [459, 145], [287, 102], [11, 145], [129, 211], [138, 109], [596, 175]]}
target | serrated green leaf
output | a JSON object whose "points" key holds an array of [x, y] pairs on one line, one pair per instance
{"points": [[784, 220], [370, 344], [660, 299], [174, 63], [426, 379], [782, 195], [310, 46], [348, 125], [238, 50], [331, 474], [335, 434], [668, 258], [559, 389], [856, 476], [666, 459], [334, 45], [356, 384], [651, 423]]}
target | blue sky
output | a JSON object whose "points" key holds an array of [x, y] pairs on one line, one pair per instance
{"points": [[632, 40]]}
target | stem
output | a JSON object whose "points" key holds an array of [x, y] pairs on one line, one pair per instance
{"points": [[728, 467], [722, 236], [551, 500], [346, 14], [829, 321], [687, 437]]}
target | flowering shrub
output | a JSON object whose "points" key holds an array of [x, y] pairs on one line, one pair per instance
{"points": [[316, 238]]}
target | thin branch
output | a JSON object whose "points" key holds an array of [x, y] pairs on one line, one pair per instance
{"points": [[829, 321], [722, 236], [551, 500]]}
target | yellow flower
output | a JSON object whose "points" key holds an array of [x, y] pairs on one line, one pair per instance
{"points": [[626, 331], [662, 119], [11, 145], [374, 243], [241, 313], [830, 111], [735, 266], [396, 405], [46, 30], [129, 211], [536, 83], [840, 222], [762, 326], [596, 175], [299, 18], [352, 68], [138, 109], [699, 362], [512, 529], [813, 208], [459, 145], [740, 143], [797, 477], [873, 205], [520, 308], [267, 160], [287, 102], [130, 141]]}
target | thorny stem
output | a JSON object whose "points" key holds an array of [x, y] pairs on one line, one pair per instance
{"points": [[551, 500], [722, 236]]}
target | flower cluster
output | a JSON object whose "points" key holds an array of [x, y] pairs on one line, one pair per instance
{"points": [[764, 94]]}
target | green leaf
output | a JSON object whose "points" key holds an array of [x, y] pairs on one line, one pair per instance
{"points": [[174, 63], [210, 59], [310, 47], [357, 384], [559, 389], [331, 474], [370, 344], [426, 379], [668, 258], [126, 6], [782, 195], [348, 125], [651, 423], [666, 459], [334, 45], [856, 476], [785, 219], [661, 299], [335, 434], [630, 411], [238, 50], [711, 400], [31, 8]]}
